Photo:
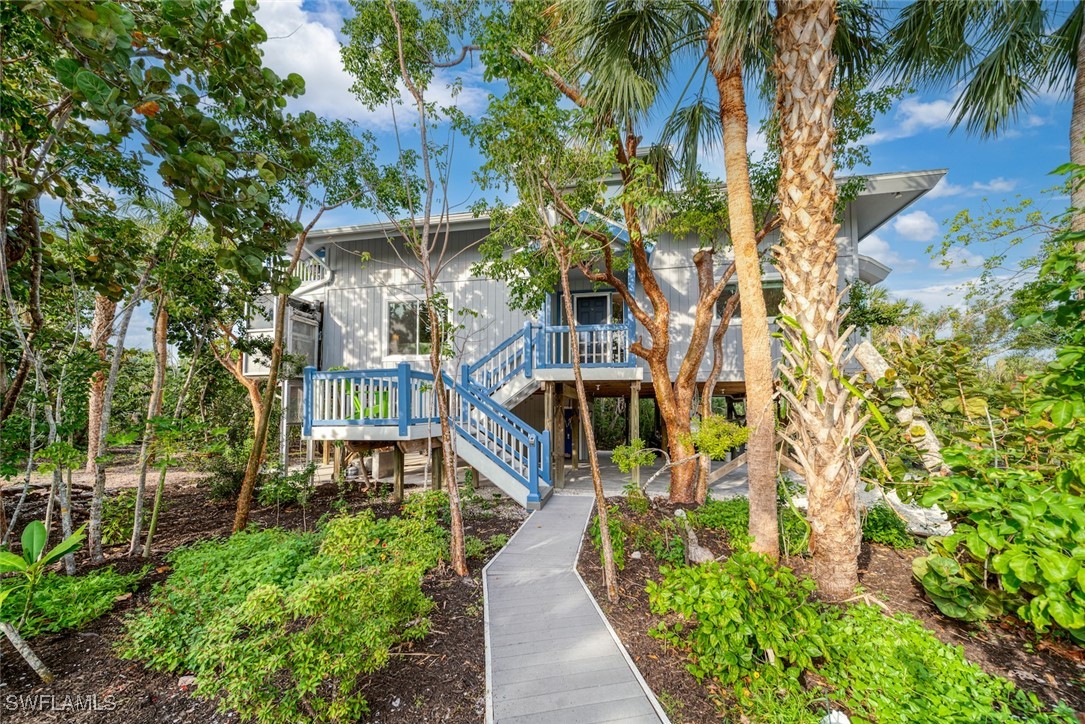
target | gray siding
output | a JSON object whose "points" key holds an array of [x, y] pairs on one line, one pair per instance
{"points": [[357, 296]]}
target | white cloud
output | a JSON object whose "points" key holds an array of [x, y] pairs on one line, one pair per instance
{"points": [[878, 248], [916, 226], [307, 43], [935, 296], [943, 189], [997, 185], [914, 116], [958, 258]]}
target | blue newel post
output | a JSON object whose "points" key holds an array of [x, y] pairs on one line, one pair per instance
{"points": [[529, 350], [404, 383], [307, 401]]}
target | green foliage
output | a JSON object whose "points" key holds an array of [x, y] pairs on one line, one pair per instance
{"points": [[31, 566], [227, 470], [634, 455], [288, 489], [617, 536], [290, 654], [716, 436], [428, 505], [739, 617], [118, 511], [475, 547], [207, 580], [67, 602], [733, 515], [636, 498], [280, 625], [753, 628], [883, 525]]}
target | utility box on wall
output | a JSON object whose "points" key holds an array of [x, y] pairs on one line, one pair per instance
{"points": [[301, 333]]}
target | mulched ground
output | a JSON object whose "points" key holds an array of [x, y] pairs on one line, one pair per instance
{"points": [[1053, 670], [440, 679]]}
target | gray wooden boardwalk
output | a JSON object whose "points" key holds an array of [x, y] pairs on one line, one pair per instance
{"points": [[550, 654]]}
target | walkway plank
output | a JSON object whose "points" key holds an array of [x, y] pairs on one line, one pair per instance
{"points": [[550, 655]]}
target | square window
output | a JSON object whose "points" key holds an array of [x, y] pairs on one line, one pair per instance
{"points": [[409, 329]]}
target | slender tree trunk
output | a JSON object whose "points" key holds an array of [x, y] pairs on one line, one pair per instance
{"points": [[610, 570], [26, 652], [824, 417], [756, 346], [177, 409], [1077, 143], [263, 414], [154, 409], [32, 448], [105, 309], [457, 550], [708, 389], [98, 497]]}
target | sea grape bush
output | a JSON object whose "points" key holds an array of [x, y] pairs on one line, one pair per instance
{"points": [[753, 628], [280, 625]]}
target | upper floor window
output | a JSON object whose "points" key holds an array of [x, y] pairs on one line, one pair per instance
{"points": [[774, 297], [408, 329]]}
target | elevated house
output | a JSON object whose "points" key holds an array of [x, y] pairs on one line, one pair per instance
{"points": [[363, 328]]}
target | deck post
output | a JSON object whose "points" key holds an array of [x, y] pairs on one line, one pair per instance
{"points": [[634, 422], [437, 467], [532, 469], [550, 424], [404, 383], [307, 401], [529, 350], [397, 474], [577, 427]]}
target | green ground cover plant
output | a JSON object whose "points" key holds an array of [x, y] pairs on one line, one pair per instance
{"points": [[281, 625], [753, 628], [68, 602]]}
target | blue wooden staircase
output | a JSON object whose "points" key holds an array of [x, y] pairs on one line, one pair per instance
{"points": [[399, 404]]}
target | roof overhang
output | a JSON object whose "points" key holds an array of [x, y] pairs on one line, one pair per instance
{"points": [[384, 230], [887, 194], [872, 271]]}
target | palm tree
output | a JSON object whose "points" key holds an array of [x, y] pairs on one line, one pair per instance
{"points": [[825, 417], [1002, 54]]}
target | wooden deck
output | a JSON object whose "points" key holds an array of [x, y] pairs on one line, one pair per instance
{"points": [[550, 654]]}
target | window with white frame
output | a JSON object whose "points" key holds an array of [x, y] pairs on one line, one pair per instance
{"points": [[774, 297], [408, 330]]}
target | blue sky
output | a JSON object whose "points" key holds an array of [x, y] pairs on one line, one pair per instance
{"points": [[915, 135]]}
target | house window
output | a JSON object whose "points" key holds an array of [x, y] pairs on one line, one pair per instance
{"points": [[409, 331], [774, 297]]}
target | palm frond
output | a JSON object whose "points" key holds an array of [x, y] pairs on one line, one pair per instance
{"points": [[932, 41], [858, 43], [1061, 50], [690, 129]]}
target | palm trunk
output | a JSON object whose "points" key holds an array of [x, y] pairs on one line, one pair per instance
{"points": [[105, 309], [824, 417], [1077, 144], [610, 570], [154, 409], [756, 347]]}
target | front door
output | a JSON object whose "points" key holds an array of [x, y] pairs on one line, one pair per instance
{"points": [[592, 309]]}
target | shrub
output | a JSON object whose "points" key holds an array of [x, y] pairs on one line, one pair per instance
{"points": [[66, 602], [118, 512], [617, 537], [207, 579], [227, 470], [883, 525], [739, 617], [431, 505], [1016, 543], [295, 654], [284, 489], [476, 547], [733, 515], [282, 625], [716, 436]]}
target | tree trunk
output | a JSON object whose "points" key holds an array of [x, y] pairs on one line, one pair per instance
{"points": [[263, 415], [1077, 144], [756, 346], [610, 570], [154, 409], [98, 498], [177, 409], [105, 309], [457, 548], [25, 651], [708, 390], [824, 417]]}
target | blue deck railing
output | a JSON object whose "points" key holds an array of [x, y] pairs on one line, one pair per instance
{"points": [[402, 397]]}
